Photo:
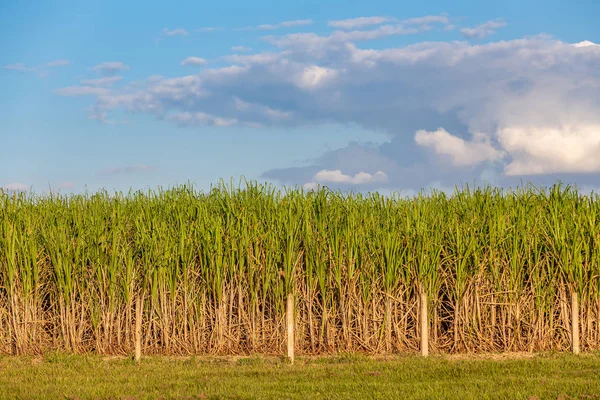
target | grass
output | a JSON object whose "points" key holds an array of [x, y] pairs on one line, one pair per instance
{"points": [[548, 376]]}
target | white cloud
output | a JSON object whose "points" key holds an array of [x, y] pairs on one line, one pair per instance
{"points": [[260, 58], [311, 186], [110, 67], [39, 70], [100, 116], [382, 31], [16, 187], [337, 177], [298, 22], [19, 67], [501, 101], [363, 22], [207, 29], [316, 44], [241, 49], [58, 63], [313, 77], [483, 30], [428, 19], [360, 22], [200, 118], [82, 91], [106, 81], [266, 27], [255, 110], [175, 32], [285, 24], [551, 149], [196, 61], [461, 152], [586, 43]]}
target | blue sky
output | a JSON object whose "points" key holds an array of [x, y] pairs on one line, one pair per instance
{"points": [[377, 95]]}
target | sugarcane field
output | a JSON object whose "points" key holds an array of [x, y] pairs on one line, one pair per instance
{"points": [[331, 199], [239, 270]]}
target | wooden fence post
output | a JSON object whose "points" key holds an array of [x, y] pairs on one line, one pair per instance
{"points": [[424, 324], [574, 322], [138, 328], [290, 326]]}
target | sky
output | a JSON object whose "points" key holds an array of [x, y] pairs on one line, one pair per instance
{"points": [[375, 95]]}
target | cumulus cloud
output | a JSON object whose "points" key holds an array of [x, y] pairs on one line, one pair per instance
{"points": [[360, 178], [550, 149], [503, 109], [483, 30], [460, 151], [196, 61], [586, 43], [313, 77], [324, 177], [110, 68]]}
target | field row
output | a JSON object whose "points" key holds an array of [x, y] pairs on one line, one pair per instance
{"points": [[193, 272]]}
